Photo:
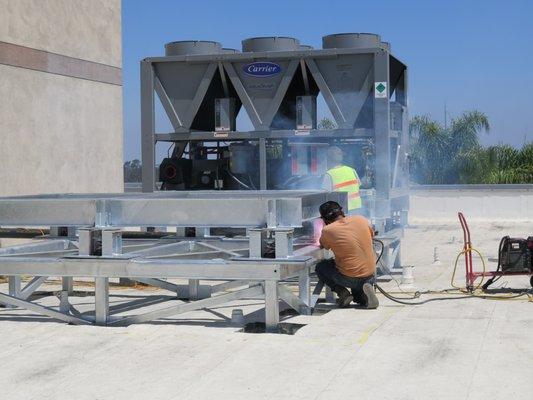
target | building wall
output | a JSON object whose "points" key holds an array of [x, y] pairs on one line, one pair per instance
{"points": [[60, 85]]}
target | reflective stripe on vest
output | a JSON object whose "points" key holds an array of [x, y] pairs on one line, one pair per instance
{"points": [[345, 179]]}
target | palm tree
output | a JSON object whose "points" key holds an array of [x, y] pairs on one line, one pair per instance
{"points": [[428, 150], [496, 164], [435, 149], [464, 130], [326, 123], [132, 171]]}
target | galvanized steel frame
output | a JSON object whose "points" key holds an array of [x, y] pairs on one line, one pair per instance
{"points": [[244, 278], [236, 262]]}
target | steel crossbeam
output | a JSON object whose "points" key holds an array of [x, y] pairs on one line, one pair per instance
{"points": [[191, 306], [48, 311]]}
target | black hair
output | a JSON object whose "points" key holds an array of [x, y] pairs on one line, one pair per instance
{"points": [[330, 211]]}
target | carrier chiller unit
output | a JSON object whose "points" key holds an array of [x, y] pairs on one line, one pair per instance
{"points": [[276, 81]]}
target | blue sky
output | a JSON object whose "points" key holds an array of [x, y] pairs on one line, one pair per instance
{"points": [[467, 54]]}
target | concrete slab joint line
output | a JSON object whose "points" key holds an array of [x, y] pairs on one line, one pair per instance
{"points": [[368, 332], [57, 64]]}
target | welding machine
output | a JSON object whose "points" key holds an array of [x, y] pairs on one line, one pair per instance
{"points": [[516, 255]]}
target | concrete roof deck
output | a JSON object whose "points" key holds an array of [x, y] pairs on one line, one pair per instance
{"points": [[457, 349]]}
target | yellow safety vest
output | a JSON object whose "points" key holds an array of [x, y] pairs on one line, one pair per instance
{"points": [[345, 179]]}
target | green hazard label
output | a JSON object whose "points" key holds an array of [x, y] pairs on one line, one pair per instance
{"points": [[380, 90]]}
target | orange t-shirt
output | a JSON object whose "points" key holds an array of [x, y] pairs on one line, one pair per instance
{"points": [[350, 239]]}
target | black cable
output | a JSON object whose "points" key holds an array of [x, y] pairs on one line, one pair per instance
{"points": [[238, 180], [168, 150], [399, 300], [251, 182], [402, 301], [492, 280], [500, 248], [218, 159], [382, 248]]}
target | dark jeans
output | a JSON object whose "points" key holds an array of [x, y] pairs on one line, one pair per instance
{"points": [[329, 274]]}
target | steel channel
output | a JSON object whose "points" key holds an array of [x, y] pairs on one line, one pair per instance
{"points": [[133, 268], [213, 209]]}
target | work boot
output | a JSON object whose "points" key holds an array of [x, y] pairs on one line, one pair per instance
{"points": [[372, 301], [345, 298], [359, 298]]}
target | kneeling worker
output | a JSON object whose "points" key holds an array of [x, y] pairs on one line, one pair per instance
{"points": [[350, 239]]}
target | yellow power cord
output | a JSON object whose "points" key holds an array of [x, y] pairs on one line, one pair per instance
{"points": [[455, 269]]}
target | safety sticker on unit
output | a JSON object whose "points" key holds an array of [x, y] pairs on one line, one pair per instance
{"points": [[380, 90]]}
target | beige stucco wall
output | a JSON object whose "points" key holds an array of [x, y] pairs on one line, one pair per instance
{"points": [[59, 133], [86, 29]]}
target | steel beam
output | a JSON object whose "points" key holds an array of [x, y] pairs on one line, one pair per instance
{"points": [[305, 79], [167, 104], [291, 299], [284, 242], [147, 126], [278, 55], [50, 312], [67, 288], [271, 306], [101, 300], [67, 284], [316, 294], [194, 305], [223, 79], [212, 209], [14, 286], [31, 287], [257, 238], [280, 94], [354, 134], [216, 248], [326, 92], [382, 141], [304, 291], [262, 164], [223, 287], [162, 250], [402, 98], [200, 94], [363, 93], [142, 268], [37, 247], [243, 95], [111, 242], [171, 287]]}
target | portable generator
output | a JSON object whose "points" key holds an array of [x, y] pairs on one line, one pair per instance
{"points": [[515, 254]]}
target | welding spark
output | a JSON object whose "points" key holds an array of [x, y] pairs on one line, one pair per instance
{"points": [[318, 225]]}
